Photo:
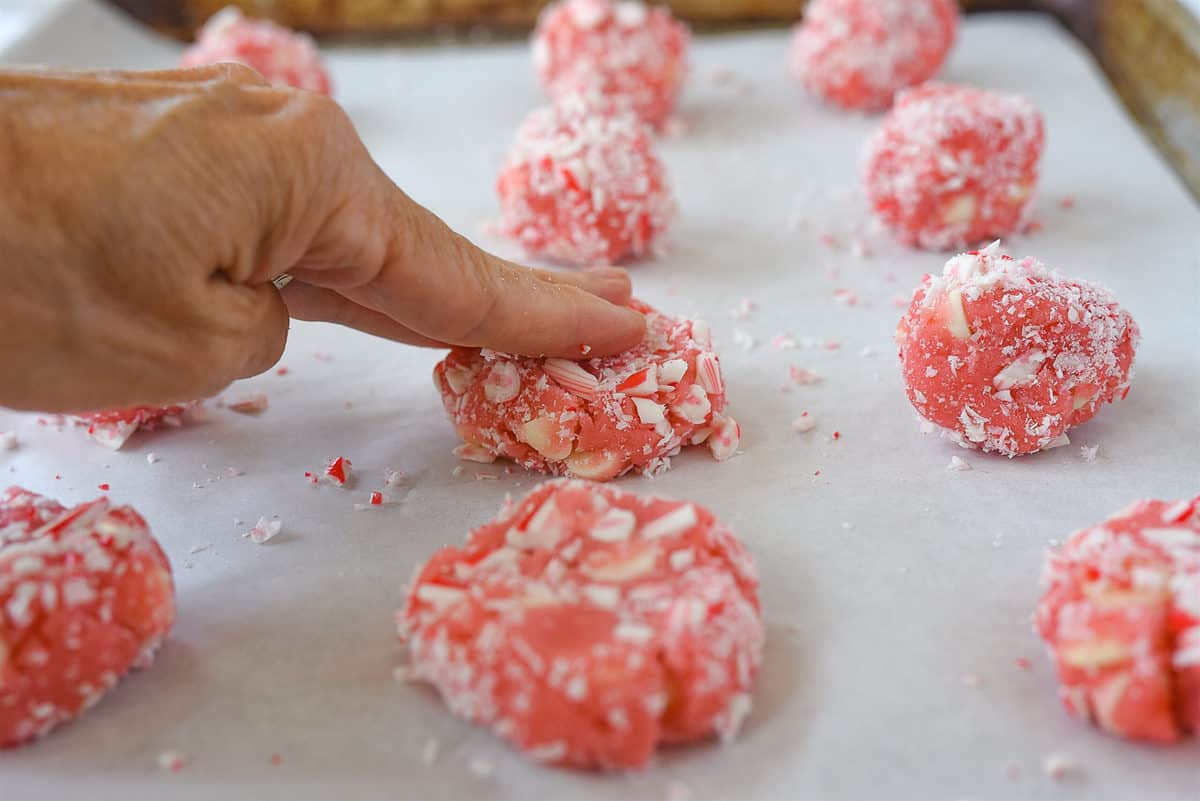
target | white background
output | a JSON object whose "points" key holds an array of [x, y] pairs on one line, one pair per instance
{"points": [[289, 648]]}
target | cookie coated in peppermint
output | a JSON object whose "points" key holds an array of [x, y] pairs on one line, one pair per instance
{"points": [[953, 166], [282, 56], [587, 626], [584, 186], [632, 55], [857, 54], [85, 595], [593, 418], [1120, 615], [1007, 356]]}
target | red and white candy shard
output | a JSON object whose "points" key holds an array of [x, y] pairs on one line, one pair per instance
{"points": [[85, 595], [338, 472], [113, 428], [858, 54], [1120, 613], [954, 166], [282, 56], [587, 626], [623, 55], [1007, 355], [595, 418], [584, 188]]}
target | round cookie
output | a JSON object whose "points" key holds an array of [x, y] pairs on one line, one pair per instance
{"points": [[587, 626], [584, 187], [633, 56], [1120, 615], [594, 418], [1007, 355], [114, 427], [857, 54], [85, 595], [283, 57], [952, 166]]}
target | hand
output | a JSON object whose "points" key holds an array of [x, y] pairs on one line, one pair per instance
{"points": [[142, 216]]}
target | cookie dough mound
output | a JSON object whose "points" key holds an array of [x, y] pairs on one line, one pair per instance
{"points": [[858, 54], [632, 55], [283, 57], [586, 625], [1120, 615], [954, 167], [85, 595], [594, 418], [114, 427], [583, 186], [1007, 355]]}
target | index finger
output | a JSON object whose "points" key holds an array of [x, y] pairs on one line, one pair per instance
{"points": [[446, 288]]}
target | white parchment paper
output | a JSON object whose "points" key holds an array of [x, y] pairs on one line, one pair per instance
{"points": [[898, 593]]}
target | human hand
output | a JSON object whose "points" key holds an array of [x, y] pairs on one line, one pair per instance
{"points": [[143, 215]]}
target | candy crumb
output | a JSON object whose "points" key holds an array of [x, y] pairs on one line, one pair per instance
{"points": [[393, 478], [1023, 663], [958, 463], [338, 472], [172, 761], [152, 458], [103, 487], [480, 767], [429, 752], [678, 791], [804, 423], [251, 404], [972, 679], [1058, 766], [8, 441], [264, 530], [276, 759], [1088, 452]]}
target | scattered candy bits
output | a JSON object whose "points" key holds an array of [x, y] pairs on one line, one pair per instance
{"points": [[251, 404], [338, 472], [264, 530]]}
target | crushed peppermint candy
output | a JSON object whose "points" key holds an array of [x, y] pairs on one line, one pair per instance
{"points": [[172, 761], [250, 404], [264, 530], [338, 472], [957, 463], [1088, 452], [8, 441], [1058, 766], [804, 423]]}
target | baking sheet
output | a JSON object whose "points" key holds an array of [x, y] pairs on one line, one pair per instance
{"points": [[886, 578]]}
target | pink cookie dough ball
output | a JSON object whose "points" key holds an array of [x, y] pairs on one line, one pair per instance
{"points": [[1120, 615], [283, 57], [588, 626], [593, 418], [953, 167], [1007, 356], [584, 188], [85, 596], [632, 55], [858, 54]]}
